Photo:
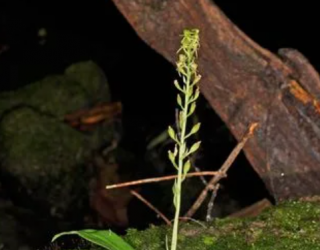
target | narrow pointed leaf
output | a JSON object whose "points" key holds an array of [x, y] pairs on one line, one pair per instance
{"points": [[171, 133], [192, 108], [104, 238], [194, 147], [186, 167], [179, 101], [176, 83], [194, 129], [196, 94], [196, 79]]}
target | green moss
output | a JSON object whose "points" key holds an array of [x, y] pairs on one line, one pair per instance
{"points": [[40, 152], [45, 165], [296, 215], [83, 83], [54, 95], [289, 225], [24, 131], [152, 239], [92, 80]]}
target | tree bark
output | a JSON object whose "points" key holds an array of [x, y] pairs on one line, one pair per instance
{"points": [[245, 83]]}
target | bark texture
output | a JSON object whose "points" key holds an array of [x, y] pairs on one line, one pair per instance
{"points": [[245, 83]]}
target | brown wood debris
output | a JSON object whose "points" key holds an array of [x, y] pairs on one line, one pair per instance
{"points": [[245, 83]]}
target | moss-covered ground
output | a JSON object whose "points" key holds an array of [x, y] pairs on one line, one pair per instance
{"points": [[290, 225]]}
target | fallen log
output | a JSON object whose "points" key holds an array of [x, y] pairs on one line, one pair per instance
{"points": [[245, 83]]}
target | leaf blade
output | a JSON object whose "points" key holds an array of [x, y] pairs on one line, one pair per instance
{"points": [[194, 129], [194, 147], [104, 238]]}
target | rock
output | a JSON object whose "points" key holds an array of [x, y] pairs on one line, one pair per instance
{"points": [[44, 159], [92, 79], [83, 83]]}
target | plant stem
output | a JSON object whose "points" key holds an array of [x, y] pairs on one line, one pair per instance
{"points": [[182, 149]]}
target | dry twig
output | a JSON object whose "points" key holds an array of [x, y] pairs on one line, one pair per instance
{"points": [[211, 202], [222, 171], [157, 179], [151, 206]]}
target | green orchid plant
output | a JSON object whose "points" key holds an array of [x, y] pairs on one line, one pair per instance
{"points": [[186, 99]]}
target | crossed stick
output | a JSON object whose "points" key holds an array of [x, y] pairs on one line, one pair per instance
{"points": [[212, 184]]}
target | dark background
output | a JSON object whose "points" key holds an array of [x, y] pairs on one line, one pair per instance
{"points": [[139, 77]]}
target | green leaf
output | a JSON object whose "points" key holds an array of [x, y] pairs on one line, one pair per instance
{"points": [[171, 156], [196, 94], [179, 101], [196, 80], [104, 238], [171, 133], [194, 147], [192, 108], [186, 166], [194, 129], [176, 83]]}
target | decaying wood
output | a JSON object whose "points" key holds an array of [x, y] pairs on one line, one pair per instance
{"points": [[86, 119], [245, 83], [253, 210]]}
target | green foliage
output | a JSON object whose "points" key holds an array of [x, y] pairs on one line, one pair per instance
{"points": [[286, 226], [186, 99], [103, 238]]}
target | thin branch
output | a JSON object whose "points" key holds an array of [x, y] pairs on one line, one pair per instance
{"points": [[211, 202], [222, 172], [157, 179], [151, 206], [203, 180]]}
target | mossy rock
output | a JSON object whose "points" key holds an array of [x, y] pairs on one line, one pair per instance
{"points": [[43, 159], [92, 80], [293, 225], [82, 83]]}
